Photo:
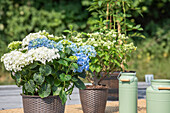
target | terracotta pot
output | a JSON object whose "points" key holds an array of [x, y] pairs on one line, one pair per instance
{"points": [[93, 100], [36, 104]]}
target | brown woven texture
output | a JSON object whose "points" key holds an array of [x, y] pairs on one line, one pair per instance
{"points": [[93, 100], [35, 104], [113, 84]]}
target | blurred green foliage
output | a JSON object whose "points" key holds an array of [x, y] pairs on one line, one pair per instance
{"points": [[153, 53], [154, 12]]}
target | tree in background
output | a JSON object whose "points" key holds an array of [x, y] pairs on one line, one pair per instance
{"points": [[152, 55]]}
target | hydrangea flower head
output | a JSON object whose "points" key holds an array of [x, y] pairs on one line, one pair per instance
{"points": [[69, 44], [30, 37], [42, 42], [82, 61], [73, 47], [16, 60], [88, 50]]}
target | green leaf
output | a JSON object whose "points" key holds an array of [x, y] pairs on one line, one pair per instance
{"points": [[18, 78], [106, 63], [25, 72], [68, 51], [67, 31], [71, 27], [63, 62], [97, 68], [140, 29], [13, 77], [57, 82], [30, 86], [92, 68], [126, 66], [38, 78], [56, 90], [101, 54], [79, 84], [34, 65], [107, 57], [138, 26], [74, 79], [63, 96], [94, 60], [50, 80], [117, 62], [84, 33], [55, 65], [65, 77], [69, 91], [54, 73], [130, 26], [62, 55], [45, 90], [137, 35], [75, 65], [100, 3], [83, 74], [67, 59], [45, 69]]}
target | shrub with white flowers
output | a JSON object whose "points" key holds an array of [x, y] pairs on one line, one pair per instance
{"points": [[45, 64], [112, 51]]}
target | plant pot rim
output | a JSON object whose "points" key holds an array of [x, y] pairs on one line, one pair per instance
{"points": [[35, 96], [129, 72], [94, 88]]}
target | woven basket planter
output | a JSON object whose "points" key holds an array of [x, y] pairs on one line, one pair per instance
{"points": [[35, 104], [113, 85], [93, 100]]}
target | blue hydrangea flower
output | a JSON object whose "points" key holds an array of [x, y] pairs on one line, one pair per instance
{"points": [[82, 53], [73, 47], [69, 44], [59, 46], [83, 62], [88, 50], [44, 42]]}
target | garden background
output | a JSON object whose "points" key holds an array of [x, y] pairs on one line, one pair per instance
{"points": [[20, 17]]}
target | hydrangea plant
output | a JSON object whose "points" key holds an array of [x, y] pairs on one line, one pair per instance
{"points": [[45, 65], [112, 52]]}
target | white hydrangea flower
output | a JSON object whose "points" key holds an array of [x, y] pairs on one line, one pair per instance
{"points": [[114, 35], [51, 36], [95, 45], [16, 60]]}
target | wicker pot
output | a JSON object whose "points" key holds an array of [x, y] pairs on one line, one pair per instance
{"points": [[112, 83], [93, 100], [35, 104]]}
